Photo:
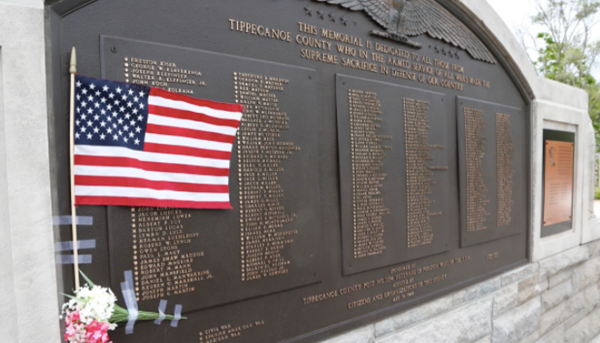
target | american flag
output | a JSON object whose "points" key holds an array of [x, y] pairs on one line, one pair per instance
{"points": [[142, 146]]}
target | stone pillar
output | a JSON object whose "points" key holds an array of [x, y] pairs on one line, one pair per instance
{"points": [[28, 291]]}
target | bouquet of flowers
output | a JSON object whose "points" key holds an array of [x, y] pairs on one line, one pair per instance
{"points": [[93, 311]]}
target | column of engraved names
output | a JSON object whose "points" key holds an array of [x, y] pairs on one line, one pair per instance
{"points": [[475, 147], [160, 74], [260, 154], [367, 156], [161, 268], [418, 175], [505, 151]]}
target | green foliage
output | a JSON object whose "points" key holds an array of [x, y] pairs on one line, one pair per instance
{"points": [[565, 50], [597, 194]]}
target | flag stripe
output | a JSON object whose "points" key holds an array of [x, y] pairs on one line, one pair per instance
{"points": [[145, 202], [185, 106], [149, 166], [199, 102], [181, 114], [141, 183], [184, 132], [149, 193], [187, 142], [190, 124], [149, 175], [178, 150], [154, 156]]}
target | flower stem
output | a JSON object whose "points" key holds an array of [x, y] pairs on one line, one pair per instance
{"points": [[142, 315]]}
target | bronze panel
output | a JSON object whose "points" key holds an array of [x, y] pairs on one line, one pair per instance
{"points": [[251, 250], [558, 181], [491, 164], [394, 172]]}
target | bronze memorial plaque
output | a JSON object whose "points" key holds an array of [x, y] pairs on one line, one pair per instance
{"points": [[381, 161], [175, 255], [559, 159], [392, 143], [488, 134], [558, 182]]}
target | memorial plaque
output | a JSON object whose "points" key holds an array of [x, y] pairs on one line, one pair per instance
{"points": [[379, 164], [559, 168], [394, 173], [488, 134], [174, 251]]}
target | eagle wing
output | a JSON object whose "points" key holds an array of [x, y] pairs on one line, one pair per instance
{"points": [[379, 10], [427, 16], [424, 16]]}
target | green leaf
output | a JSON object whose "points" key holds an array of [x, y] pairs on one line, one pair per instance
{"points": [[87, 279], [69, 296]]}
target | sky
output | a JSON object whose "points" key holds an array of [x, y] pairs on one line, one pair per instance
{"points": [[513, 12]]}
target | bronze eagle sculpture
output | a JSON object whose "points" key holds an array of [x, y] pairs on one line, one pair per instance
{"points": [[405, 18]]}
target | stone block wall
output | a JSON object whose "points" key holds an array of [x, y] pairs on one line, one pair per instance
{"points": [[554, 300]]}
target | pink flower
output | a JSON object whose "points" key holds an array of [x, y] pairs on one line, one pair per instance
{"points": [[75, 332], [97, 332], [73, 317]]}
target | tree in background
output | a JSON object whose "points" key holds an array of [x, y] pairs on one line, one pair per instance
{"points": [[563, 48]]}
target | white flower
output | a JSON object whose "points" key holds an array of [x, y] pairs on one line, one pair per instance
{"points": [[97, 303]]}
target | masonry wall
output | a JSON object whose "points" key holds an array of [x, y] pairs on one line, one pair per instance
{"points": [[554, 300]]}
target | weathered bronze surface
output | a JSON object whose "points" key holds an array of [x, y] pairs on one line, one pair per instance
{"points": [[367, 176]]}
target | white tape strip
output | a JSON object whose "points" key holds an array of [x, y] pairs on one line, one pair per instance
{"points": [[175, 321], [81, 245], [130, 301], [161, 312], [70, 259], [67, 220]]}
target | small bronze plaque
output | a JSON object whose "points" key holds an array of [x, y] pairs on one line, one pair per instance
{"points": [[558, 182]]}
